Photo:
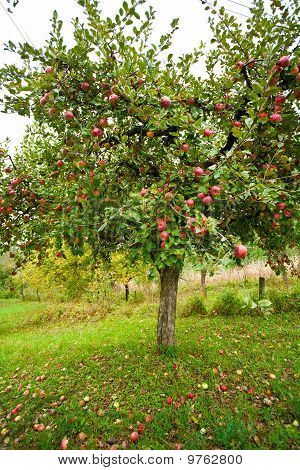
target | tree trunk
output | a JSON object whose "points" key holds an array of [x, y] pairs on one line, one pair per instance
{"points": [[169, 277], [203, 282], [261, 288], [126, 292], [22, 292], [285, 278]]}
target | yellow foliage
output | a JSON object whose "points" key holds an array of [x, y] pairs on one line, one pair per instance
{"points": [[123, 270]]}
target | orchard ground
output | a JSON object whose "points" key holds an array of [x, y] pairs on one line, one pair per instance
{"points": [[94, 381]]}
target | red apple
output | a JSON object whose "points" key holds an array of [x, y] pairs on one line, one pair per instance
{"points": [[185, 147], [237, 124], [207, 132], [68, 115], [280, 99], [96, 132], [191, 101], [201, 195], [207, 200], [277, 216], [240, 251], [215, 190], [169, 400], [113, 99], [223, 388], [262, 115], [239, 65], [43, 100], [85, 86], [161, 225], [288, 213], [141, 428], [219, 107], [48, 69], [198, 171], [284, 61], [190, 203], [281, 205], [64, 443], [143, 192], [165, 102], [134, 437], [59, 163], [164, 235], [275, 117], [103, 122]]}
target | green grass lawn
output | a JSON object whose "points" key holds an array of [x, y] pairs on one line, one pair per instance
{"points": [[103, 378]]}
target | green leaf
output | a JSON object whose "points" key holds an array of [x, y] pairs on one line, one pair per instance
{"points": [[264, 303]]}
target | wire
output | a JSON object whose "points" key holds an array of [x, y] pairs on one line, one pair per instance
{"points": [[205, 2], [240, 4], [236, 13], [23, 33]]}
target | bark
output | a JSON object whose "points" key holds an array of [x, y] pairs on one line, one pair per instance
{"points": [[126, 292], [169, 277], [203, 282], [261, 288], [22, 292], [285, 278]]}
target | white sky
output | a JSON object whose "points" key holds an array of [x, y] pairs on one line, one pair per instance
{"points": [[33, 17]]}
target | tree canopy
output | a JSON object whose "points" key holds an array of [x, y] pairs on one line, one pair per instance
{"points": [[130, 147]]}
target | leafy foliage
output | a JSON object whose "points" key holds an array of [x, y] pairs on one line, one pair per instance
{"points": [[229, 303], [104, 131], [193, 307]]}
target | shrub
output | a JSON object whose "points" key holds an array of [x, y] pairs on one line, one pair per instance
{"points": [[194, 306], [229, 303], [136, 297], [8, 294], [5, 283], [285, 301]]}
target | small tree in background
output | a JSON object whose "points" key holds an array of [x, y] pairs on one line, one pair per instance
{"points": [[123, 270], [136, 151], [66, 276]]}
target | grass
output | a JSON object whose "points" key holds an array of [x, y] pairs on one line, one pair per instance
{"points": [[102, 378]]}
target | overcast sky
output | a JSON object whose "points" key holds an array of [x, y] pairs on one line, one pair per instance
{"points": [[33, 18]]}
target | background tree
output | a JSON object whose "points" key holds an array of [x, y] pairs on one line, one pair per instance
{"points": [[123, 270], [147, 156]]}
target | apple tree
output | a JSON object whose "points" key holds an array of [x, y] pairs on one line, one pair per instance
{"points": [[134, 150]]}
